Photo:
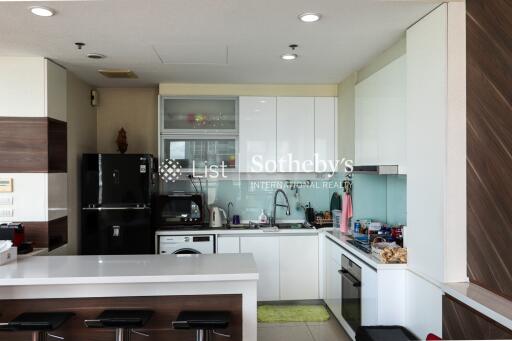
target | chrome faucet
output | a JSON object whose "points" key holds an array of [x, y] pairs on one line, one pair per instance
{"points": [[228, 219], [273, 217]]}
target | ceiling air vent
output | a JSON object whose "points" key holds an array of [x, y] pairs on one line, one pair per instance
{"points": [[117, 73]]}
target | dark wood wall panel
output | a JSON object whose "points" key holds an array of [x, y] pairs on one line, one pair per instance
{"points": [[57, 146], [57, 232], [489, 144], [166, 309], [461, 322], [51, 234], [36, 232], [33, 145], [23, 144]]}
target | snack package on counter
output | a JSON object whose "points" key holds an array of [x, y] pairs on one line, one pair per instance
{"points": [[389, 252]]}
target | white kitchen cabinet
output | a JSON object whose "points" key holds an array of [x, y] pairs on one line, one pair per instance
{"points": [[257, 132], [369, 299], [295, 134], [298, 267], [380, 119], [325, 132], [366, 124], [265, 250], [333, 278], [228, 244]]}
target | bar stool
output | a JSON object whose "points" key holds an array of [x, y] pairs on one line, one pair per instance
{"points": [[123, 321], [205, 323], [40, 324]]}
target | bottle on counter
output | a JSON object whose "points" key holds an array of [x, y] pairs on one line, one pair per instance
{"points": [[263, 219], [357, 226]]}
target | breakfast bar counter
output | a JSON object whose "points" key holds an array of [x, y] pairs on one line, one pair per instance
{"points": [[218, 280]]}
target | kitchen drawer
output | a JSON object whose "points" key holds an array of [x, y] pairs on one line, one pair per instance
{"points": [[334, 251]]}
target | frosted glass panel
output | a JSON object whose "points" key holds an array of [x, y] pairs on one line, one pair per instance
{"points": [[199, 114], [190, 151]]}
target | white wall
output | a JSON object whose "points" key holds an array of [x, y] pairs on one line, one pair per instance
{"points": [[436, 180], [423, 312], [436, 151], [81, 139], [22, 90], [426, 142], [135, 110]]}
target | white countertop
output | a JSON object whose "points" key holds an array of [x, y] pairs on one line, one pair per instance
{"points": [[486, 302], [49, 270], [331, 233], [234, 231], [336, 236]]}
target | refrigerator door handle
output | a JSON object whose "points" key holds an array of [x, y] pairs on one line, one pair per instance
{"points": [[116, 229], [115, 208], [115, 175]]}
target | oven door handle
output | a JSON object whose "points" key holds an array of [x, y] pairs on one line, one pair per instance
{"points": [[347, 275]]}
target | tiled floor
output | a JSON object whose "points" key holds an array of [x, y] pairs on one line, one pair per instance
{"points": [[309, 331]]}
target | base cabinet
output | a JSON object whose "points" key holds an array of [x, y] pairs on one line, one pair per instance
{"points": [[298, 268], [288, 265], [266, 254], [333, 286], [382, 301], [227, 244]]}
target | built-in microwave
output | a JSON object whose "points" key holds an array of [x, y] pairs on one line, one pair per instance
{"points": [[179, 210]]}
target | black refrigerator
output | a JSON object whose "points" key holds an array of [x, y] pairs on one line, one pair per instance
{"points": [[117, 192]]}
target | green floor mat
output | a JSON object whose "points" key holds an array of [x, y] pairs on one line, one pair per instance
{"points": [[292, 313]]}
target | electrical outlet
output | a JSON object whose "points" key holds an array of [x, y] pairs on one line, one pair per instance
{"points": [[6, 200], [6, 212]]}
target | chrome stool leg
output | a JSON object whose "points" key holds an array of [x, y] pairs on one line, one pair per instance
{"points": [[204, 335], [39, 336], [122, 334], [200, 335]]}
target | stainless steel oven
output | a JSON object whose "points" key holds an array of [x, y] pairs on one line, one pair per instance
{"points": [[351, 292]]}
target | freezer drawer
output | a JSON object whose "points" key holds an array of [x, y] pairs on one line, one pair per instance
{"points": [[117, 232]]}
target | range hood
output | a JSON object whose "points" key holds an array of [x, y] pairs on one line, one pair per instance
{"points": [[378, 170]]}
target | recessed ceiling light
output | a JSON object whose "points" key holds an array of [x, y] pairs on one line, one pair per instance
{"points": [[289, 56], [96, 56], [42, 11], [309, 17]]}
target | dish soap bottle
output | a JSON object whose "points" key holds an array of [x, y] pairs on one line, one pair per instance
{"points": [[263, 218]]}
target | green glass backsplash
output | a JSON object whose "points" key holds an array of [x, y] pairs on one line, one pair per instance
{"points": [[249, 197], [377, 197], [381, 198]]}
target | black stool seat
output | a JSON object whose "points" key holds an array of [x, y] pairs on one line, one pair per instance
{"points": [[120, 319], [37, 321], [384, 333], [207, 320]]}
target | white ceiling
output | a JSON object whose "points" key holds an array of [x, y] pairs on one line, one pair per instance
{"points": [[209, 41]]}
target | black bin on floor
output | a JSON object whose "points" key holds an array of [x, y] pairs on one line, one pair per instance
{"points": [[384, 333]]}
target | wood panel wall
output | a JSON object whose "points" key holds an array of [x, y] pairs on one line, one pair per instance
{"points": [[461, 322], [33, 145], [165, 308], [47, 234], [489, 144]]}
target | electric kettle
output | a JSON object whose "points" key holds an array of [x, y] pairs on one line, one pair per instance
{"points": [[217, 216]]}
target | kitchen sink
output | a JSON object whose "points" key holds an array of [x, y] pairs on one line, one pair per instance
{"points": [[293, 226], [281, 226]]}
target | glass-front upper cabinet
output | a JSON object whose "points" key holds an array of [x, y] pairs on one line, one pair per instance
{"points": [[196, 152], [199, 115]]}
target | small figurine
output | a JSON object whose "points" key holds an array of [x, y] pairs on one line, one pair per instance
{"points": [[122, 145]]}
